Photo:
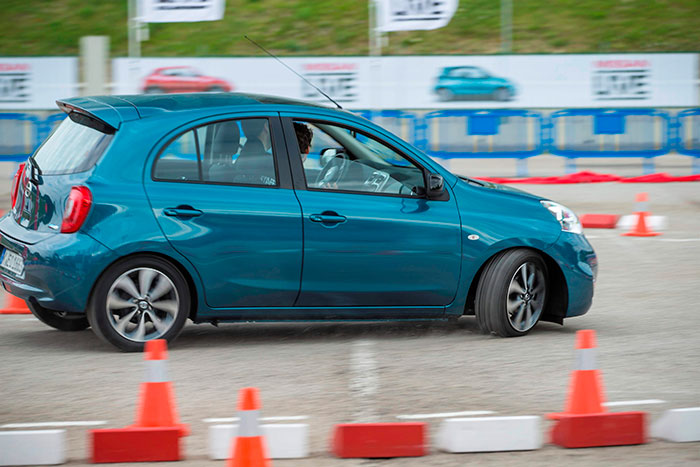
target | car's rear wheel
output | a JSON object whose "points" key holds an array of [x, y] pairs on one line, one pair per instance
{"points": [[445, 94], [60, 320], [512, 293], [137, 300], [153, 90], [216, 89]]}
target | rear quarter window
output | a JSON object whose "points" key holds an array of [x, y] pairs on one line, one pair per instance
{"points": [[72, 147]]}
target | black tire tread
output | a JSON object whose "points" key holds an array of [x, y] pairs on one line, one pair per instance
{"points": [[96, 313], [490, 294]]}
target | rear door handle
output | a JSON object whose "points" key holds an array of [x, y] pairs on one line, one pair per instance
{"points": [[182, 211], [327, 217]]}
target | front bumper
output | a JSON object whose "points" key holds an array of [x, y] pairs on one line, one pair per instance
{"points": [[579, 264], [59, 269]]}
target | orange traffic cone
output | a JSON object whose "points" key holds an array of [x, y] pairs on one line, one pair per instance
{"points": [[641, 229], [585, 389], [156, 401], [248, 449], [14, 306]]}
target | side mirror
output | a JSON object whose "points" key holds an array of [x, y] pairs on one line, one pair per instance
{"points": [[436, 186]]}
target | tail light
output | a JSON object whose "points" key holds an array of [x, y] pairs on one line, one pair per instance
{"points": [[77, 209], [15, 184]]}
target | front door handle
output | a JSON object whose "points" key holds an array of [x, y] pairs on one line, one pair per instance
{"points": [[328, 217], [182, 211]]}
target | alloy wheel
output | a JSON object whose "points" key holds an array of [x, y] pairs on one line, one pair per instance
{"points": [[526, 297], [142, 304]]}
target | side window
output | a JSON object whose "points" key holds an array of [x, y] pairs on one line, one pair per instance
{"points": [[179, 162], [237, 152], [233, 151], [338, 158]]}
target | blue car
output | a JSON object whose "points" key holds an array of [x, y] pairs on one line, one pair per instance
{"points": [[472, 82], [140, 212]]}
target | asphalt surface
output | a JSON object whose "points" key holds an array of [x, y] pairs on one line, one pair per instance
{"points": [[645, 313]]}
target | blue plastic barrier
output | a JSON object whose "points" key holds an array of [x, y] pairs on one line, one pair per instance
{"points": [[688, 137], [577, 133], [483, 134], [19, 136], [402, 124]]}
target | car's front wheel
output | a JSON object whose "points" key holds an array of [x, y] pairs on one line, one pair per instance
{"points": [[512, 293], [137, 300], [501, 95]]}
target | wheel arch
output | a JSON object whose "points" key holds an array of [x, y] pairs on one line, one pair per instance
{"points": [[194, 293], [557, 303]]}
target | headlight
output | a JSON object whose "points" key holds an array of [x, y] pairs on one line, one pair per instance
{"points": [[566, 217]]}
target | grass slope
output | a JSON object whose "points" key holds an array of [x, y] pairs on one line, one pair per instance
{"points": [[320, 27]]}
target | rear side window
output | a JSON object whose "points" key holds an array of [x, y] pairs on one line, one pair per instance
{"points": [[72, 147], [179, 161], [232, 152]]}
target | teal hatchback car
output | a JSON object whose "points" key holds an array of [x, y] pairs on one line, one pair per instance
{"points": [[472, 82], [139, 212]]}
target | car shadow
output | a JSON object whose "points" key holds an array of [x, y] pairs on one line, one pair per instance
{"points": [[227, 334]]}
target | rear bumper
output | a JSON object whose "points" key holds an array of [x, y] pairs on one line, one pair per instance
{"points": [[59, 269], [579, 264]]}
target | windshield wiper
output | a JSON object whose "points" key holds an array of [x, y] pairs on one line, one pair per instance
{"points": [[472, 180], [35, 169]]}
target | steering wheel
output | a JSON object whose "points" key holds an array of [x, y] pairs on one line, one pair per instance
{"points": [[333, 171]]}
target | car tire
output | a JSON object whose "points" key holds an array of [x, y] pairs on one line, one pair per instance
{"points": [[215, 89], [153, 90], [512, 293], [445, 95], [60, 320], [501, 94], [137, 300]]}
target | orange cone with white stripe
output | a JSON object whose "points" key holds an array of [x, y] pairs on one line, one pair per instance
{"points": [[585, 389], [157, 401], [249, 448], [640, 229], [14, 306]]}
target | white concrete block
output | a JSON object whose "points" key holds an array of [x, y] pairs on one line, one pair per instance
{"points": [[678, 425], [33, 447], [284, 441], [653, 222], [487, 434]]}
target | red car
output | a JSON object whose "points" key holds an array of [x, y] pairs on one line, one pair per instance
{"points": [[182, 79]]}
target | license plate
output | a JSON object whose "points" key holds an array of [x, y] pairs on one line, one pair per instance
{"points": [[12, 262]]}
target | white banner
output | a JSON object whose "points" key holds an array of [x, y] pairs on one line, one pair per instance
{"points": [[180, 11], [36, 83], [409, 15], [430, 82]]}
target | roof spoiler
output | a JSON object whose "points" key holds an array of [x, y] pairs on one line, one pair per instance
{"points": [[86, 118]]}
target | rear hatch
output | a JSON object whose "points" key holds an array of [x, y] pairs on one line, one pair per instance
{"points": [[64, 160]]}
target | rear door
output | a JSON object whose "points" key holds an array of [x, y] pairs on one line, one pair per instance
{"points": [[238, 224]]}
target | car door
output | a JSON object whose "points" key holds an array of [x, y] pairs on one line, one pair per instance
{"points": [[369, 241], [237, 221]]}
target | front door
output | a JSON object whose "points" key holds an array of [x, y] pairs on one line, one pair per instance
{"points": [[371, 239], [225, 202]]}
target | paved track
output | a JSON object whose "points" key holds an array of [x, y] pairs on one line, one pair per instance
{"points": [[645, 312]]}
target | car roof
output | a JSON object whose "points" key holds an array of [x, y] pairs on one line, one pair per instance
{"points": [[114, 110]]}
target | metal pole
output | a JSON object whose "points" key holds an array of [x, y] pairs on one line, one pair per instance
{"points": [[375, 52], [506, 26], [133, 26]]}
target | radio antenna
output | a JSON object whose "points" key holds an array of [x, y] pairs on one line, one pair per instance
{"points": [[292, 70]]}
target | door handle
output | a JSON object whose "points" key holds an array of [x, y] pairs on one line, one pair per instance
{"points": [[327, 218], [182, 211]]}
